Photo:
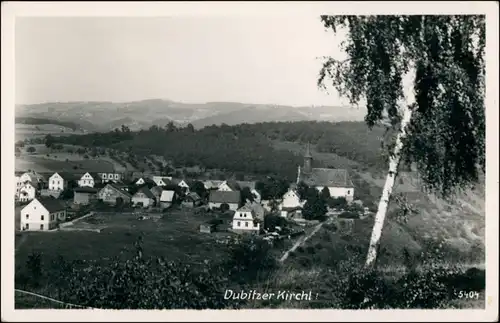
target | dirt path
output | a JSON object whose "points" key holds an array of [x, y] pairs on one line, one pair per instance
{"points": [[302, 240]]}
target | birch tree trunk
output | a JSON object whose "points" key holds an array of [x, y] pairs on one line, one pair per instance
{"points": [[390, 179]]}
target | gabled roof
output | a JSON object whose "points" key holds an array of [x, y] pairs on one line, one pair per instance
{"points": [[327, 177], [225, 197], [67, 176], [51, 204], [118, 188], [93, 174], [210, 184], [146, 192], [257, 209], [233, 185], [245, 208], [193, 196], [156, 190], [167, 196]]}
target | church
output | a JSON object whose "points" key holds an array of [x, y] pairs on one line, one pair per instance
{"points": [[337, 180]]}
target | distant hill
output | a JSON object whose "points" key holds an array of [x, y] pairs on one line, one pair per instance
{"points": [[43, 121], [105, 116]]}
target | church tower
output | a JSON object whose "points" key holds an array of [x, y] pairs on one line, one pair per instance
{"points": [[307, 161]]}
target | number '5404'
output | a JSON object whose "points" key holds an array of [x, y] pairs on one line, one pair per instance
{"points": [[468, 294]]}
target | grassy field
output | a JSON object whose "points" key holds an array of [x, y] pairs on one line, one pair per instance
{"points": [[26, 131], [176, 236], [41, 163]]}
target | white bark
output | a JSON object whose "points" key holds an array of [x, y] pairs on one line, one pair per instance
{"points": [[389, 182]]}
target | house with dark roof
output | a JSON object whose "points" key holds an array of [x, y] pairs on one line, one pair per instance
{"points": [[337, 181], [157, 190], [112, 192], [143, 197], [42, 214], [84, 195], [192, 200], [231, 198], [229, 186]]}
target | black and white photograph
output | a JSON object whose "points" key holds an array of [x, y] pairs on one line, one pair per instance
{"points": [[249, 156]]}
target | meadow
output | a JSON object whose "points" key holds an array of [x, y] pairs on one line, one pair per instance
{"points": [[175, 236]]}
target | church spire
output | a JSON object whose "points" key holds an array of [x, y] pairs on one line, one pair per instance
{"points": [[308, 151]]}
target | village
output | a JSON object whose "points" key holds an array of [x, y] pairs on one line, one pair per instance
{"points": [[51, 202]]}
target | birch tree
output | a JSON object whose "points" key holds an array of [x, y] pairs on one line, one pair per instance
{"points": [[439, 117]]}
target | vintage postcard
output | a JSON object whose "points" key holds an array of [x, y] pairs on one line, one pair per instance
{"points": [[250, 161]]}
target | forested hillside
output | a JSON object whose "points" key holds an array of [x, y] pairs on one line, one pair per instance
{"points": [[246, 147]]}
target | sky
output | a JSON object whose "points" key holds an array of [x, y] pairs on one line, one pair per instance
{"points": [[258, 59]]}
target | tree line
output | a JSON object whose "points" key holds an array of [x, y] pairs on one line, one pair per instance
{"points": [[245, 148]]}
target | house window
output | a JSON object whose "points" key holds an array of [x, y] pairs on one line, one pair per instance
{"points": [[42, 217], [239, 223], [41, 226], [246, 224], [116, 176], [348, 192], [104, 176], [27, 226], [27, 216], [52, 217]]}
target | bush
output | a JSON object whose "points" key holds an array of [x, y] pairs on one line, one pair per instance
{"points": [[250, 260], [349, 215], [310, 250], [300, 249]]}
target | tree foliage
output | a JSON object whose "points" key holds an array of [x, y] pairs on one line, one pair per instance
{"points": [[446, 135], [315, 207]]}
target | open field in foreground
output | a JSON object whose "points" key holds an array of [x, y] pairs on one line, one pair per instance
{"points": [[176, 236]]}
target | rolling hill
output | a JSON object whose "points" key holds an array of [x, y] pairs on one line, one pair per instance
{"points": [[105, 116]]}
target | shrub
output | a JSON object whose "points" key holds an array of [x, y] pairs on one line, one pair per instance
{"points": [[300, 249], [310, 250], [349, 215]]}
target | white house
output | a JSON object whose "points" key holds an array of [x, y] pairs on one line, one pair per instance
{"points": [[42, 215], [143, 196], [228, 186], [110, 177], [167, 198], [184, 185], [244, 220], [56, 182], [140, 181], [87, 180], [27, 192], [19, 184], [32, 177], [212, 184], [337, 181], [291, 202]]}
